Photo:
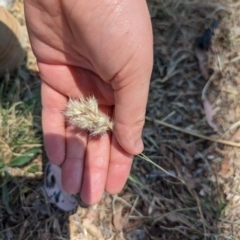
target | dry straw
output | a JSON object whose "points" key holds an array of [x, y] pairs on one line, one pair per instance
{"points": [[85, 114]]}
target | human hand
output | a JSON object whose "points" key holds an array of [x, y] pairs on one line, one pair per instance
{"points": [[84, 48]]}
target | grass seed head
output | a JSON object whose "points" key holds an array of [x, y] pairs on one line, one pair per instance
{"points": [[85, 114]]}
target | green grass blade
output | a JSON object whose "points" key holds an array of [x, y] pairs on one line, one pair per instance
{"points": [[133, 179], [25, 158]]}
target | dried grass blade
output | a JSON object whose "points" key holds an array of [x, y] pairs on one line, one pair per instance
{"points": [[212, 139]]}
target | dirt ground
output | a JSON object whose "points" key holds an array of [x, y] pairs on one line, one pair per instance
{"points": [[188, 185]]}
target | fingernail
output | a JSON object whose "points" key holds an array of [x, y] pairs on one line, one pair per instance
{"points": [[139, 146]]}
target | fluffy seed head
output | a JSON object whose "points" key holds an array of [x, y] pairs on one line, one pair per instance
{"points": [[85, 114]]}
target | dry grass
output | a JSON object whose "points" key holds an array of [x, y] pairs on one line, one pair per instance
{"points": [[85, 115], [188, 185]]}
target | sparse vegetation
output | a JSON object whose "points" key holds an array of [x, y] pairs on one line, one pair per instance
{"points": [[184, 186]]}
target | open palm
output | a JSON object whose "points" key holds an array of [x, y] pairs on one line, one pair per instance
{"points": [[101, 48]]}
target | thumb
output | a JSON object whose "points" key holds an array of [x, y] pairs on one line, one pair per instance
{"points": [[131, 94]]}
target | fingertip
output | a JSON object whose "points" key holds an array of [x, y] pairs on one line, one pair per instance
{"points": [[112, 189], [138, 148], [95, 169], [128, 127], [129, 138], [119, 168], [93, 186], [130, 146], [72, 175], [87, 199]]}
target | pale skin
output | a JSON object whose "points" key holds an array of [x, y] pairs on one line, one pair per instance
{"points": [[101, 48]]}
